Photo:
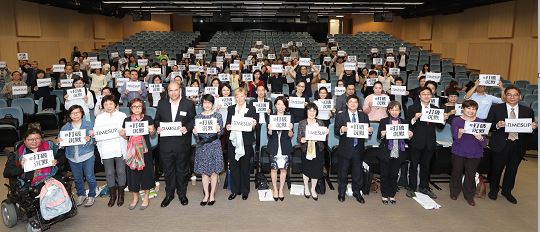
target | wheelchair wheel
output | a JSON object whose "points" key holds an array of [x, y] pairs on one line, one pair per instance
{"points": [[9, 214], [33, 226]]}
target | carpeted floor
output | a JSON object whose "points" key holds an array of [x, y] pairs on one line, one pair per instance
{"points": [[296, 213]]}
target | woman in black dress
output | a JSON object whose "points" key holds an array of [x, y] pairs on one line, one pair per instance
{"points": [[312, 151]]}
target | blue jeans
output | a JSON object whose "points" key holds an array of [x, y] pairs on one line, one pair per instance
{"points": [[87, 168]]}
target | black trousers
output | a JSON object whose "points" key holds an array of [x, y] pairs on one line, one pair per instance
{"points": [[508, 159], [355, 165], [240, 169], [468, 166], [176, 169], [422, 157], [258, 139], [389, 176]]}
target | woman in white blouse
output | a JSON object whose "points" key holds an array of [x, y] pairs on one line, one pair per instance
{"points": [[87, 102], [98, 81], [112, 151]]}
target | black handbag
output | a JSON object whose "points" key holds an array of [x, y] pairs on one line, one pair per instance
{"points": [[320, 188], [261, 182]]}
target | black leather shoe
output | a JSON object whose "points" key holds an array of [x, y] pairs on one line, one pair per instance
{"points": [[492, 195], [210, 203], [183, 200], [232, 196], [359, 198], [244, 197], [203, 203], [341, 198], [166, 201], [510, 198]]}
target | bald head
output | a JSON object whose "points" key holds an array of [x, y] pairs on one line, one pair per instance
{"points": [[174, 91]]}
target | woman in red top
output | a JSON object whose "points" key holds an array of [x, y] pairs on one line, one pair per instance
{"points": [[256, 82]]}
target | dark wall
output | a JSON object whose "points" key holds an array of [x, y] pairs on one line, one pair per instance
{"points": [[208, 29]]}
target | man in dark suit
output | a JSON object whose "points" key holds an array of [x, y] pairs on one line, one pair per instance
{"points": [[240, 157], [68, 74], [508, 148], [175, 150], [422, 144], [165, 69], [415, 93], [351, 150]]}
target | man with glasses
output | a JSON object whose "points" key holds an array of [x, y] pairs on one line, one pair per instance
{"points": [[341, 101], [307, 78], [478, 94], [422, 144], [175, 150], [508, 148]]}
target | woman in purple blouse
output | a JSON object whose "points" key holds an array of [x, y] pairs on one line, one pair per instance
{"points": [[467, 150]]}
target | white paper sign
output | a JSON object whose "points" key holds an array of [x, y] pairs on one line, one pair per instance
{"points": [[240, 123], [136, 128], [38, 160], [361, 64], [476, 128], [222, 49], [154, 71], [223, 77], [316, 133], [519, 125], [155, 88], [170, 129], [140, 53], [459, 109], [334, 48], [95, 64], [261, 107], [265, 195], [213, 49], [377, 61], [374, 50], [247, 76], [271, 56], [114, 54], [93, 59], [2, 64], [191, 50], [279, 122], [193, 68], [225, 102], [390, 59], [431, 76], [133, 86], [489, 79], [211, 71], [206, 125], [44, 82], [186, 56], [304, 62], [106, 133], [157, 53], [324, 49], [77, 93], [397, 131], [192, 91], [19, 90], [402, 49], [121, 81], [398, 90], [199, 56], [371, 81], [66, 83], [341, 53], [171, 63], [432, 115], [380, 101], [296, 102], [142, 62], [116, 74], [434, 101], [327, 59], [299, 44], [234, 67], [389, 50], [349, 66], [339, 90], [58, 68], [211, 90], [277, 68], [73, 138], [394, 71], [325, 104], [351, 59], [357, 130], [328, 86], [128, 51], [22, 56]]}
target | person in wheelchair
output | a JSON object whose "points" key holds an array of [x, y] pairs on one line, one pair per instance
{"points": [[24, 187]]}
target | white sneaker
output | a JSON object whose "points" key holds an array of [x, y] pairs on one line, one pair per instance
{"points": [[90, 202], [80, 200]]}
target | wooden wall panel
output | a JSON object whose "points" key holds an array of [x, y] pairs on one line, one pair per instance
{"points": [[425, 28], [100, 27], [182, 23], [159, 23], [501, 20], [362, 23], [27, 19], [493, 58], [47, 53]]}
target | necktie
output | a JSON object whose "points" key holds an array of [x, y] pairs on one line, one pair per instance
{"points": [[354, 121], [513, 135]]}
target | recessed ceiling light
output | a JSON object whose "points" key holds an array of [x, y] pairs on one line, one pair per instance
{"points": [[339, 16]]}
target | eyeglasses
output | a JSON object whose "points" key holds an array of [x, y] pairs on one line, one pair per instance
{"points": [[425, 94], [33, 140], [512, 95], [75, 113], [136, 107]]}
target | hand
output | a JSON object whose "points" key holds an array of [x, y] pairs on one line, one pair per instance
{"points": [[87, 138], [383, 133], [410, 134], [417, 116], [36, 88], [54, 162], [370, 130], [91, 133], [461, 131], [326, 132], [194, 131], [228, 127], [343, 129], [66, 97], [268, 111], [122, 132], [479, 137], [290, 133], [501, 124], [303, 140], [476, 83], [59, 140], [85, 98], [183, 130], [452, 112], [253, 122], [159, 130], [140, 91], [218, 128], [23, 160], [534, 125], [446, 116], [269, 130]]}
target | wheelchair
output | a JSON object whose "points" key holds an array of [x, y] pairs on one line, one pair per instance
{"points": [[21, 203]]}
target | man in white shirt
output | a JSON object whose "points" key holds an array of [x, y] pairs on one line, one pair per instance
{"points": [[483, 99]]}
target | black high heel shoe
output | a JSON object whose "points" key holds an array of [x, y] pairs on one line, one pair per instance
{"points": [[282, 198], [315, 198], [210, 203], [203, 203], [307, 196]]}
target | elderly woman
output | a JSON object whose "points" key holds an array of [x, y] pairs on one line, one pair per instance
{"points": [[33, 142], [16, 81]]}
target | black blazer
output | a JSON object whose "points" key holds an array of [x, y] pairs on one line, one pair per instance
{"points": [[248, 137], [286, 142], [384, 153], [498, 139], [185, 114], [266, 116], [423, 133], [346, 144]]}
